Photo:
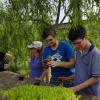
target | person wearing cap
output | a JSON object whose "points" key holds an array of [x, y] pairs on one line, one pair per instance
{"points": [[35, 63]]}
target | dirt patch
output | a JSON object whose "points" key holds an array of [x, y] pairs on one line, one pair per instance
{"points": [[9, 79]]}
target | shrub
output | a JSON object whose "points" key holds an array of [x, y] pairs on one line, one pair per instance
{"points": [[31, 92]]}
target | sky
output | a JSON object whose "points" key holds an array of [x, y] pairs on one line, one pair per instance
{"points": [[61, 13], [2, 0]]}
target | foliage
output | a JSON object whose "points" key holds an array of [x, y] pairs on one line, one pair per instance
{"points": [[22, 21], [93, 32], [31, 92]]}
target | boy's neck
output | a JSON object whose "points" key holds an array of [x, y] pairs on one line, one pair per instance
{"points": [[55, 46], [86, 48]]}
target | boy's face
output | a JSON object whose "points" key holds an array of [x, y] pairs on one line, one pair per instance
{"points": [[80, 43], [51, 40]]}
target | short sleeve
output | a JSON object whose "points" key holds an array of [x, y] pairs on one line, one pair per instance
{"points": [[96, 64]]}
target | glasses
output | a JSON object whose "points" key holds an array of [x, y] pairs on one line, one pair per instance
{"points": [[49, 40], [77, 43]]}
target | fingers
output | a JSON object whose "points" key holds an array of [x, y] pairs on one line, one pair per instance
{"points": [[49, 63], [38, 79], [61, 78]]}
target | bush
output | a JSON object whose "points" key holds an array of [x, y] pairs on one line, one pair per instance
{"points": [[31, 92]]}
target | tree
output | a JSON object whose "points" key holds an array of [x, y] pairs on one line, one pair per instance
{"points": [[22, 21]]}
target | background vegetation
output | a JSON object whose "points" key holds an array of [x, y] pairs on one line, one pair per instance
{"points": [[22, 21]]}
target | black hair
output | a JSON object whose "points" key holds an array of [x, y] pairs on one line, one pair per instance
{"points": [[76, 32], [2, 55], [48, 31]]}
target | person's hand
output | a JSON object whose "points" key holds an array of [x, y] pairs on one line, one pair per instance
{"points": [[74, 89], [6, 67], [38, 78], [61, 78], [26, 75], [45, 61], [71, 77], [52, 63]]}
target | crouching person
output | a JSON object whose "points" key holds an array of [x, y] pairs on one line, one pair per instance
{"points": [[6, 60]]}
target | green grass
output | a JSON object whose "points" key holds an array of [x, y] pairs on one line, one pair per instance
{"points": [[31, 92]]}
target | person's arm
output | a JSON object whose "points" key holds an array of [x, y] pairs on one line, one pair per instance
{"points": [[44, 74], [67, 64], [10, 58], [85, 84], [8, 65], [71, 77], [26, 75]]}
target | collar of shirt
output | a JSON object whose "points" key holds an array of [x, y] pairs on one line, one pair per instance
{"points": [[85, 52]]}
